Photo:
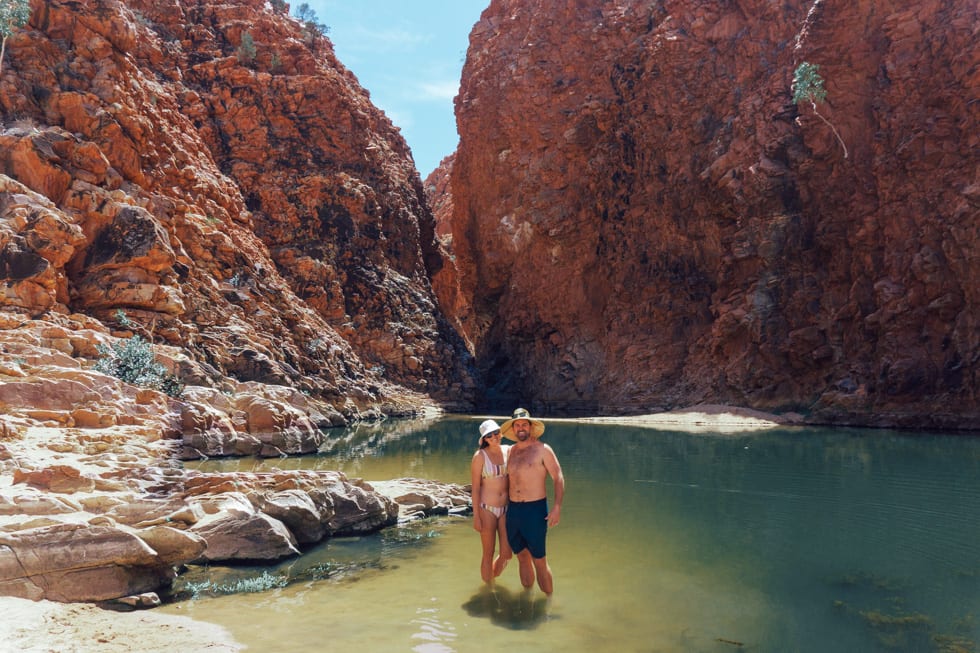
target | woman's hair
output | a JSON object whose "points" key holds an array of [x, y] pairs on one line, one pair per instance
{"points": [[483, 442]]}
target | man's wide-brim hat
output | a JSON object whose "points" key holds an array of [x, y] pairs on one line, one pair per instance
{"points": [[507, 428]]}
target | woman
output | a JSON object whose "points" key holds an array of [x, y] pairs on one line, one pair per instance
{"points": [[488, 470]]}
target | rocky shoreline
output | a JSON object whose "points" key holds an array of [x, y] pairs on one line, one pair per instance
{"points": [[80, 526]]}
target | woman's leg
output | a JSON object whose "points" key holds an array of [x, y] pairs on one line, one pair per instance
{"points": [[505, 552], [488, 536]]}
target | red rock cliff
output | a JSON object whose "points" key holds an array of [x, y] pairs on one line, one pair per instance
{"points": [[643, 218], [214, 172]]}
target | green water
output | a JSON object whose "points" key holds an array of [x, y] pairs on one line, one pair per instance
{"points": [[803, 540]]}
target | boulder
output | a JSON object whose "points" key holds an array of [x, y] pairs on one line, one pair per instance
{"points": [[61, 479], [74, 562], [234, 536], [258, 421], [280, 510], [361, 510], [34, 502], [417, 498], [173, 546], [297, 510]]}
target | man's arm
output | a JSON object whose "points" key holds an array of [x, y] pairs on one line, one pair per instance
{"points": [[554, 470]]}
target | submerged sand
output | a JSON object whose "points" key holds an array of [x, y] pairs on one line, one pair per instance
{"points": [[47, 626]]}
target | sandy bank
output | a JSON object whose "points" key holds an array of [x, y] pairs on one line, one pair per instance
{"points": [[714, 418], [43, 626], [703, 418]]}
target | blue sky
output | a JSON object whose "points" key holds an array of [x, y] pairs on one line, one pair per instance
{"points": [[409, 54]]}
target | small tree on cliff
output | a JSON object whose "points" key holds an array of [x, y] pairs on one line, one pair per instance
{"points": [[14, 14], [306, 14], [808, 87]]}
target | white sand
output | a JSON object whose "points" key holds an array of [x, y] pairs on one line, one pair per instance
{"points": [[704, 418], [45, 626]]}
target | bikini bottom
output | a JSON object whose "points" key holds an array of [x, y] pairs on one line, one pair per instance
{"points": [[496, 510]]}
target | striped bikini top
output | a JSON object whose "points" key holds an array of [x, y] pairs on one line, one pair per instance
{"points": [[492, 469]]}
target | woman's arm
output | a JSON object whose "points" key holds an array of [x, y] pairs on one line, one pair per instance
{"points": [[476, 486]]}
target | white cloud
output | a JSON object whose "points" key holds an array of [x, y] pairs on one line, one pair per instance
{"points": [[444, 90], [394, 39]]}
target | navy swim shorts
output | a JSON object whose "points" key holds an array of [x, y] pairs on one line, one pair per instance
{"points": [[527, 525]]}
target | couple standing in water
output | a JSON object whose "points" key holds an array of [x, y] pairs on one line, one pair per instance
{"points": [[510, 499]]}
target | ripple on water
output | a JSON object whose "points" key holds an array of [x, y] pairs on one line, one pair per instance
{"points": [[437, 635]]}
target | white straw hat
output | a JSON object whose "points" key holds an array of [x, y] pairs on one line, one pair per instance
{"points": [[487, 428]]}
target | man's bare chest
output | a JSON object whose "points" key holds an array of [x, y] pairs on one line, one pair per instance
{"points": [[523, 461]]}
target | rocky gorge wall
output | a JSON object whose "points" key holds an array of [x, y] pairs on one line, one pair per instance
{"points": [[642, 217], [214, 173]]}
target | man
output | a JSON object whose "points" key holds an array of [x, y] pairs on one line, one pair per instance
{"points": [[529, 463]]}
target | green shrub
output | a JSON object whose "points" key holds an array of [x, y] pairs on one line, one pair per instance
{"points": [[123, 319], [131, 360], [14, 14], [808, 84], [246, 51]]}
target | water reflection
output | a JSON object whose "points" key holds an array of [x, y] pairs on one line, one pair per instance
{"points": [[516, 610], [371, 439]]}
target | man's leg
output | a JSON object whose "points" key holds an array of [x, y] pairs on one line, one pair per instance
{"points": [[526, 568], [515, 522], [545, 580]]}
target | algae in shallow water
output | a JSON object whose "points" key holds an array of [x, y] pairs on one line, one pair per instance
{"points": [[951, 644], [261, 583]]}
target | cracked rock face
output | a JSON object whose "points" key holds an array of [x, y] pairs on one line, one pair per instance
{"points": [[642, 218]]}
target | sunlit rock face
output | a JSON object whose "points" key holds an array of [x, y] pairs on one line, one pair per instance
{"points": [[247, 205], [642, 217]]}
